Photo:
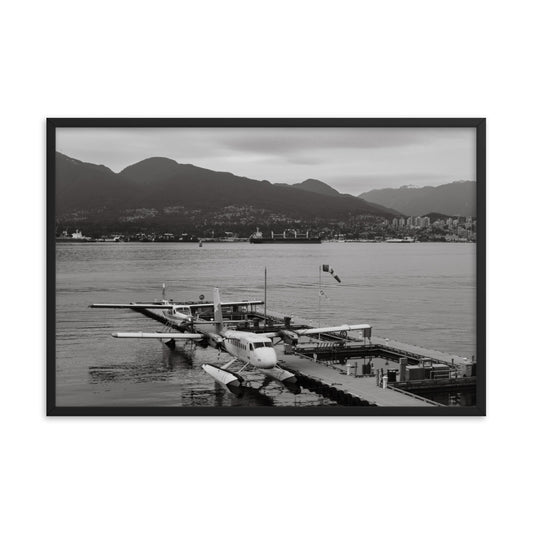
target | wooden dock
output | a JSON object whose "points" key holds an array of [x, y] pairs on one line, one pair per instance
{"points": [[420, 352], [363, 388]]}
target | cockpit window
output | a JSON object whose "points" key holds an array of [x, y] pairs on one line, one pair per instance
{"points": [[266, 344]]}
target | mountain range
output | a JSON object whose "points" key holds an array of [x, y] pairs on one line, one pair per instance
{"points": [[457, 198], [159, 193], [163, 190]]}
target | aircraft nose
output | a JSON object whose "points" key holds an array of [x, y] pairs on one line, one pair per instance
{"points": [[266, 358]]}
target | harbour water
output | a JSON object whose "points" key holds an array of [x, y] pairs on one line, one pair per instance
{"points": [[422, 294]]}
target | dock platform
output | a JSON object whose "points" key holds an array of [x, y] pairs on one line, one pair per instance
{"points": [[362, 388], [419, 352]]}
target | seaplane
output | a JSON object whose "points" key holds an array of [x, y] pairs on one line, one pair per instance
{"points": [[253, 351]]}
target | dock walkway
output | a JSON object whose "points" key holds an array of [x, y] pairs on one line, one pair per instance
{"points": [[411, 350], [362, 387]]}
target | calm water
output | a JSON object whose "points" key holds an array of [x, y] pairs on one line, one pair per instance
{"points": [[422, 294]]}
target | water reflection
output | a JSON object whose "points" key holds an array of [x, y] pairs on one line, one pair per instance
{"points": [[122, 372], [179, 356], [148, 369], [244, 395]]}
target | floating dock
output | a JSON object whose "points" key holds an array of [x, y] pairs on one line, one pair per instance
{"points": [[362, 390], [328, 364]]}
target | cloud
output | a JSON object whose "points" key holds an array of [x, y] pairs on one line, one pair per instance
{"points": [[350, 159]]}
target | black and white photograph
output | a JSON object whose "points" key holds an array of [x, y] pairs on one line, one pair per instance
{"points": [[266, 266], [257, 255]]}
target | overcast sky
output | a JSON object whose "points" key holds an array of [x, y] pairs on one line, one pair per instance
{"points": [[352, 160]]}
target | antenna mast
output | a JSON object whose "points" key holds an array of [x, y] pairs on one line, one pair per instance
{"points": [[319, 294], [265, 297]]}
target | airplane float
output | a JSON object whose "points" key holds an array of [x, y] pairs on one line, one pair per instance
{"points": [[254, 350]]}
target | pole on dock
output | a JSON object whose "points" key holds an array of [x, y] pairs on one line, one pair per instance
{"points": [[265, 297], [319, 294]]}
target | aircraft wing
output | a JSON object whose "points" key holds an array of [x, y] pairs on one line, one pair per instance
{"points": [[313, 331], [211, 304], [331, 329], [169, 335], [132, 306], [170, 306]]}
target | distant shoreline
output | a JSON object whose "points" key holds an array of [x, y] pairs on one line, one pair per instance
{"points": [[96, 241]]}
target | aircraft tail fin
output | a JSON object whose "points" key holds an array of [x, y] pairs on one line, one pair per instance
{"points": [[219, 321]]}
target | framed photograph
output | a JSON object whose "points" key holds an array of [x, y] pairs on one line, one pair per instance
{"points": [[266, 267]]}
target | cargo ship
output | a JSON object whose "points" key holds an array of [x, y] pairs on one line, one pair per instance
{"points": [[287, 237], [405, 240]]}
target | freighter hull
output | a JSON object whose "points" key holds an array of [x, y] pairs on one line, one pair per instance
{"points": [[255, 240]]}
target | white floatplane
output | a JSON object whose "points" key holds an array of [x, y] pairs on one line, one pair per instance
{"points": [[255, 350]]}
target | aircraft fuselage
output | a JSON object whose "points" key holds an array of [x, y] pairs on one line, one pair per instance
{"points": [[250, 348]]}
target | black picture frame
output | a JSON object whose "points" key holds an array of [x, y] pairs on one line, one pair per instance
{"points": [[480, 127]]}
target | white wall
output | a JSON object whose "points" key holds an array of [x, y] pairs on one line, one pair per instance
{"points": [[298, 59]]}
